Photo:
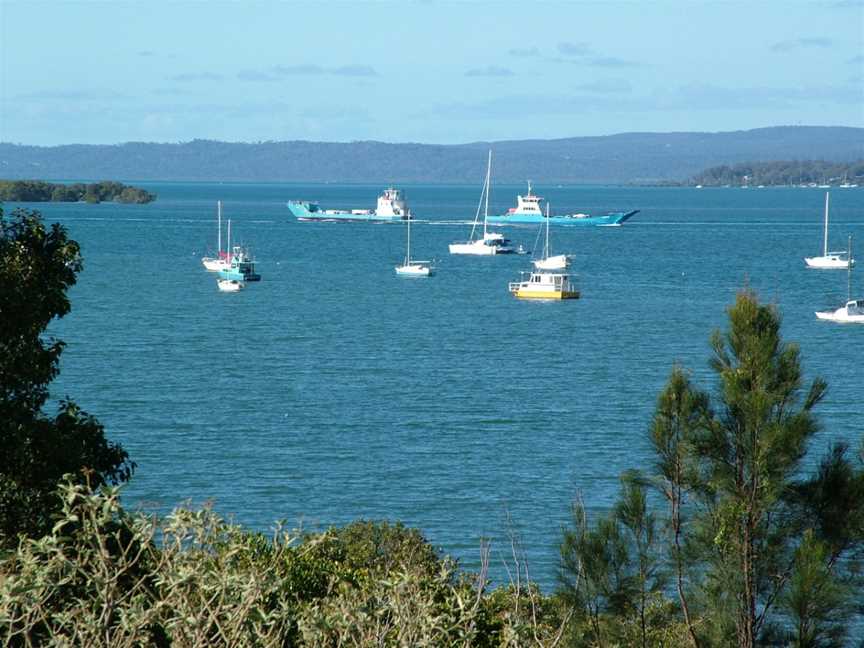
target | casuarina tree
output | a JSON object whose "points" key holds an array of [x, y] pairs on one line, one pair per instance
{"points": [[760, 551]]}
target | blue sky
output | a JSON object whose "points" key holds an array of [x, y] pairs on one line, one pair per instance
{"points": [[422, 71]]}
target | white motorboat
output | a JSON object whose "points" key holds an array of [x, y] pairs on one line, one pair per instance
{"points": [[829, 260], [853, 311], [230, 285], [411, 268], [492, 242], [551, 262], [222, 259]]}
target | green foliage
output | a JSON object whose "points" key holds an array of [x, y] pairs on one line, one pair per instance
{"points": [[783, 173], [40, 191], [37, 267], [759, 550], [104, 578], [612, 572]]}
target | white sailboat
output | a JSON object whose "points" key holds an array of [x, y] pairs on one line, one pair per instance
{"points": [[829, 260], [413, 268], [221, 260], [556, 262], [492, 242], [853, 309]]}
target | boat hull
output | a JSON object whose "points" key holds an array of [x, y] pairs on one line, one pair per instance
{"points": [[472, 248], [304, 211], [828, 263], [607, 220], [843, 318], [414, 270], [546, 294], [215, 265], [557, 262]]}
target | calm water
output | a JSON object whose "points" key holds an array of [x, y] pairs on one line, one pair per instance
{"points": [[335, 390]]}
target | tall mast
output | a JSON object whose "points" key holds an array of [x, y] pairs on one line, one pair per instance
{"points": [[486, 208], [849, 270], [229, 240], [480, 202], [408, 246], [547, 230], [219, 225], [825, 235]]}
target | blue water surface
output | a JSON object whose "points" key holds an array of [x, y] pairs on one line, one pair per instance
{"points": [[335, 390]]}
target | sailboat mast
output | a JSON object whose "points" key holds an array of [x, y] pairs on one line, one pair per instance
{"points": [[486, 208], [825, 235], [480, 202], [547, 231], [408, 246], [219, 225], [849, 270], [229, 240]]}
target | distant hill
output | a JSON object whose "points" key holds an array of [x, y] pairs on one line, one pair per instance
{"points": [[625, 158]]}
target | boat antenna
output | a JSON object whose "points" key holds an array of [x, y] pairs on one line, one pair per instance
{"points": [[488, 180], [547, 229], [825, 235], [219, 225]]}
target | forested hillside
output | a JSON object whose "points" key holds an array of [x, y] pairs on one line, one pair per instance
{"points": [[784, 173], [625, 158]]}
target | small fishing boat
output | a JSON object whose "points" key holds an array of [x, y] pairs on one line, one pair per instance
{"points": [[220, 261], [491, 243], [242, 266], [413, 268], [829, 260], [545, 285]]}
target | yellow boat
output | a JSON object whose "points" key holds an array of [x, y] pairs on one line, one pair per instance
{"points": [[545, 285]]}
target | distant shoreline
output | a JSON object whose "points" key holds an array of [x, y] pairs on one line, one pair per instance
{"points": [[93, 193]]}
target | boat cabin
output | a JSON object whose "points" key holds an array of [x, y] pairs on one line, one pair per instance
{"points": [[528, 204]]}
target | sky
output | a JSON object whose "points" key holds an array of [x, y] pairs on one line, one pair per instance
{"points": [[422, 70]]}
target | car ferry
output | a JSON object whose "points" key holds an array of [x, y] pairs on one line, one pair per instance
{"points": [[392, 206], [527, 212]]}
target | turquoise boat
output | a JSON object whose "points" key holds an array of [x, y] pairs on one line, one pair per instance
{"points": [[242, 266], [391, 207], [527, 212]]}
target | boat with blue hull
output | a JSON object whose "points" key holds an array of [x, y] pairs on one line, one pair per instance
{"points": [[528, 212], [242, 267], [391, 207]]}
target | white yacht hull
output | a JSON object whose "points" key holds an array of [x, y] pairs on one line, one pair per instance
{"points": [[478, 248], [837, 316], [414, 270], [831, 262], [557, 262], [215, 265]]}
